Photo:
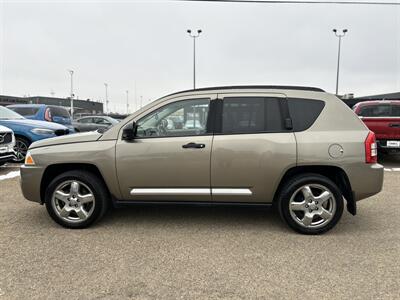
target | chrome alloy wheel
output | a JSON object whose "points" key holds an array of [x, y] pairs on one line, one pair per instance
{"points": [[20, 148], [73, 201], [312, 206]]}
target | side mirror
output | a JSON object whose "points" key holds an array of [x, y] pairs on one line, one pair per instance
{"points": [[129, 132]]}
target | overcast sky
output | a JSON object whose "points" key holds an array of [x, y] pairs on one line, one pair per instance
{"points": [[146, 42]]}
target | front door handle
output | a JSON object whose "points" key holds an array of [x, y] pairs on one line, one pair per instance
{"points": [[397, 125], [194, 145]]}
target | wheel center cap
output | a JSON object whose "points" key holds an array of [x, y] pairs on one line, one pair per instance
{"points": [[313, 205], [73, 201]]}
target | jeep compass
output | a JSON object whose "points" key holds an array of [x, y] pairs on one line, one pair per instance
{"points": [[299, 149]]}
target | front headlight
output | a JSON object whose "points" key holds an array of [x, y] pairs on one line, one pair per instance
{"points": [[12, 145], [42, 131]]}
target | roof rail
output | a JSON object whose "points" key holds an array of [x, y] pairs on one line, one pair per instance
{"points": [[236, 87]]}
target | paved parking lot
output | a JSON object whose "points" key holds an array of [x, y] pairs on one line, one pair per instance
{"points": [[151, 252]]}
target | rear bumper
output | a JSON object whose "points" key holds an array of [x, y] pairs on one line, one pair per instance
{"points": [[31, 178], [366, 180], [382, 144]]}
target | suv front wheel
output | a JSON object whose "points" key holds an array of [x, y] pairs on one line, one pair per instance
{"points": [[310, 203], [76, 199]]}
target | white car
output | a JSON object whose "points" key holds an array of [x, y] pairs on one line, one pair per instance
{"points": [[7, 144]]}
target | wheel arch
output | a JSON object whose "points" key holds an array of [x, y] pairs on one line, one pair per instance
{"points": [[334, 173], [54, 170], [18, 135]]}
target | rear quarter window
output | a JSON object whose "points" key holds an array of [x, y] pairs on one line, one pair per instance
{"points": [[304, 112]]}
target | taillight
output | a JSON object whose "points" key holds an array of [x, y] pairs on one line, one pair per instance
{"points": [[371, 149], [47, 115]]}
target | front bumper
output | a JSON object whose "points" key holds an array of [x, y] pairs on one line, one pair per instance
{"points": [[7, 153], [31, 178], [8, 157], [70, 128]]}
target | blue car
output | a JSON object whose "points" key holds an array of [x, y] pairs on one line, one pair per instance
{"points": [[43, 112], [28, 131]]}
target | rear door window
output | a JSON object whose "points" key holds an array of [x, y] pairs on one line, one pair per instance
{"points": [[304, 112], [86, 120], [101, 121], [396, 110], [251, 115], [25, 111]]}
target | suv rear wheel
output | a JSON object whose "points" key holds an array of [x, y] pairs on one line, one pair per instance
{"points": [[310, 203], [76, 199]]}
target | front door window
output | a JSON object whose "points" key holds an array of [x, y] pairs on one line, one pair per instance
{"points": [[182, 118]]}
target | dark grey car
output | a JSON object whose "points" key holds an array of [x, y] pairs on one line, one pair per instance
{"points": [[93, 123]]}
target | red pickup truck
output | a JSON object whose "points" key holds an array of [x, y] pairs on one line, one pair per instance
{"points": [[383, 118]]}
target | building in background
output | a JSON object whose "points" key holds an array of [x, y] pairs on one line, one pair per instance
{"points": [[80, 106]]}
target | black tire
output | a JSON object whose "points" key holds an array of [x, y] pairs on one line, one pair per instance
{"points": [[21, 147], [293, 185], [101, 197]]}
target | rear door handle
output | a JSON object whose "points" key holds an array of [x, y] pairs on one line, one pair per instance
{"points": [[394, 125], [194, 145]]}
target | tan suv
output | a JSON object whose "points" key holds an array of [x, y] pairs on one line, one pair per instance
{"points": [[298, 148]]}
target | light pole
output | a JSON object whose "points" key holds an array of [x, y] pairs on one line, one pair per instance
{"points": [[106, 86], [135, 97], [71, 72], [194, 36], [339, 35], [127, 101]]}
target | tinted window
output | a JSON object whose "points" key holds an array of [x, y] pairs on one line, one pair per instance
{"points": [[101, 121], [112, 120], [59, 112], [382, 110], [251, 115], [395, 110], [304, 112], [85, 120], [182, 118], [25, 111]]}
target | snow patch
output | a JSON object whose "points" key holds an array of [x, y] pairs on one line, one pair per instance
{"points": [[392, 169], [10, 175]]}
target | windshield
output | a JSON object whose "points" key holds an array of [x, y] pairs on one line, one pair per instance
{"points": [[59, 112], [112, 120], [8, 114]]}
